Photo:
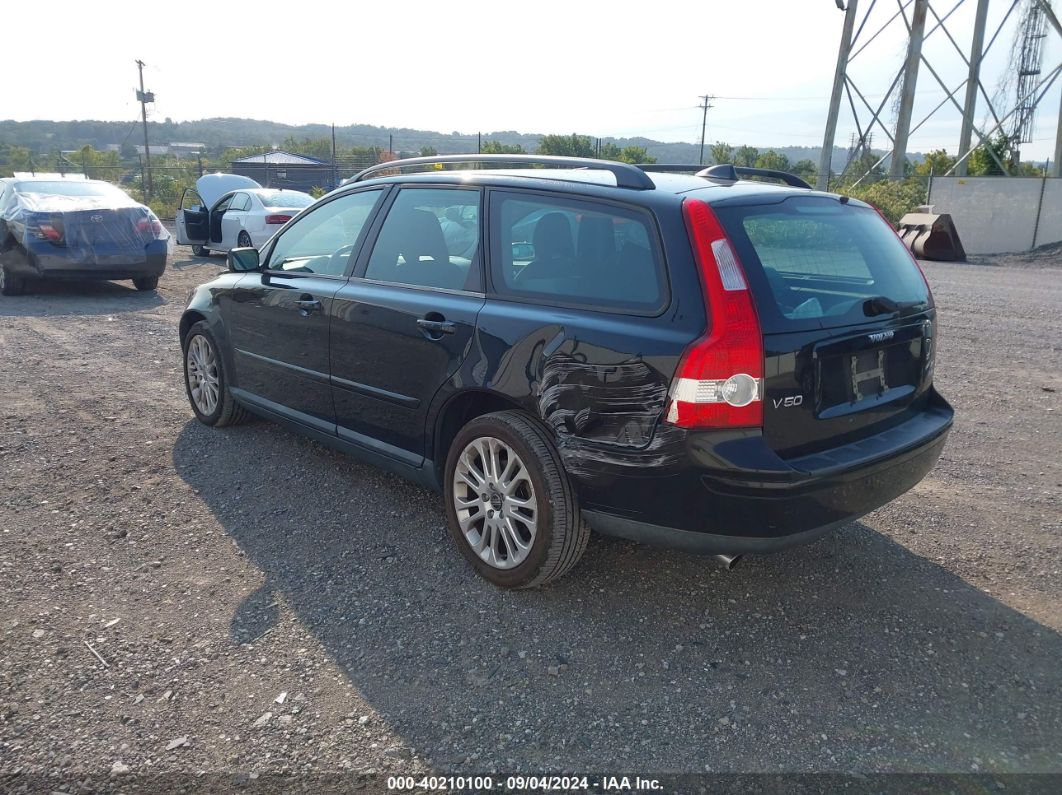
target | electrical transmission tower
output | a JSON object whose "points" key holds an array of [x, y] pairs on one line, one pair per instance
{"points": [[921, 21], [1031, 36]]}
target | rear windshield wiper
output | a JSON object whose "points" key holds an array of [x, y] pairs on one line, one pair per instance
{"points": [[880, 305]]}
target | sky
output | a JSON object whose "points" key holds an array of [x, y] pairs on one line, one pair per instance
{"points": [[603, 69]]}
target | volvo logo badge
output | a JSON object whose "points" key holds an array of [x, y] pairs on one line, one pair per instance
{"points": [[881, 336], [96, 219]]}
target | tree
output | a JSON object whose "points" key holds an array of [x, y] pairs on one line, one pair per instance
{"points": [[722, 152], [805, 168], [95, 164], [566, 145], [936, 162], [16, 158], [428, 151], [895, 198], [746, 156], [982, 164], [609, 151], [636, 154], [773, 160], [498, 148], [865, 164]]}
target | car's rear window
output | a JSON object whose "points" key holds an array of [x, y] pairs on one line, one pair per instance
{"points": [[286, 198], [575, 252], [815, 262], [71, 188]]}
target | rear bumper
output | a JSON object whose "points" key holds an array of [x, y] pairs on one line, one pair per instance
{"points": [[745, 502], [46, 261]]}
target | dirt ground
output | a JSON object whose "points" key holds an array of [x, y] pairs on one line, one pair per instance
{"points": [[260, 604]]}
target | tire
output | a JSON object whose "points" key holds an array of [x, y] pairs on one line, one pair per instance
{"points": [[146, 283], [243, 240], [200, 251], [11, 284], [223, 409], [530, 557]]}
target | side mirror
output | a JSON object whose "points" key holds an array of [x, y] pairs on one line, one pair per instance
{"points": [[243, 260]]}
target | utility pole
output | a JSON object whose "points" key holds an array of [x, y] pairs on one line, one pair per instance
{"points": [[969, 107], [1055, 170], [839, 76], [335, 181], [706, 99], [907, 95], [144, 97]]}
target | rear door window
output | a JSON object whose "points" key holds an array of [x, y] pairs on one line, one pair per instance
{"points": [[817, 263], [573, 252]]}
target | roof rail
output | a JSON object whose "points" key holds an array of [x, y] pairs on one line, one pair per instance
{"points": [[670, 168], [726, 172], [627, 176]]}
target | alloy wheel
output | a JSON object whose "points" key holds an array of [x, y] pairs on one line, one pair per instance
{"points": [[497, 509], [201, 368]]}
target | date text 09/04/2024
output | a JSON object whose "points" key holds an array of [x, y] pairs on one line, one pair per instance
{"points": [[522, 783]]}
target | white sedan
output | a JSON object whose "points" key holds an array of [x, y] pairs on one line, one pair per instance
{"points": [[241, 213]]}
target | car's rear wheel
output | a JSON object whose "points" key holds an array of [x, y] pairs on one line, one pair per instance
{"points": [[146, 283], [11, 284], [243, 240], [206, 382], [200, 251], [509, 504]]}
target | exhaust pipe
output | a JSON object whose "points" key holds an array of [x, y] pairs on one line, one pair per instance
{"points": [[729, 561]]}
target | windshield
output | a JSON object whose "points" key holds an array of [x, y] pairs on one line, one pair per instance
{"points": [[285, 198], [815, 262], [71, 188]]}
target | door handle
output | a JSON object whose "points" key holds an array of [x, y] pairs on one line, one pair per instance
{"points": [[436, 326], [307, 305]]}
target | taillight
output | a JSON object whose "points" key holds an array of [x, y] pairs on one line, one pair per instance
{"points": [[50, 232], [277, 219], [47, 227], [719, 382], [151, 225]]}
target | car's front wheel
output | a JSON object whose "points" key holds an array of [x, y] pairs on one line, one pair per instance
{"points": [[206, 381], [509, 504], [11, 284], [146, 283]]}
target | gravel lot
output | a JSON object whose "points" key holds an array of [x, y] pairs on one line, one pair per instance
{"points": [[266, 605]]}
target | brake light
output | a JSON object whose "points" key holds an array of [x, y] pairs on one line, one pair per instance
{"points": [[719, 382], [46, 227], [152, 226], [50, 232], [277, 219]]}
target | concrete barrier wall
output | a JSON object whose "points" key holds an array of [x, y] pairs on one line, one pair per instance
{"points": [[996, 215], [1050, 230]]}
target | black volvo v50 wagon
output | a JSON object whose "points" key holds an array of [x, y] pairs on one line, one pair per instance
{"points": [[690, 359]]}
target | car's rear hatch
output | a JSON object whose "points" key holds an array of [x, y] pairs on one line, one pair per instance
{"points": [[847, 318]]}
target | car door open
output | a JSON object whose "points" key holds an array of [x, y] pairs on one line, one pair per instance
{"points": [[193, 220]]}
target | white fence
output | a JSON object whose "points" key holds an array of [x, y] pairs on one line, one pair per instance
{"points": [[997, 215]]}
